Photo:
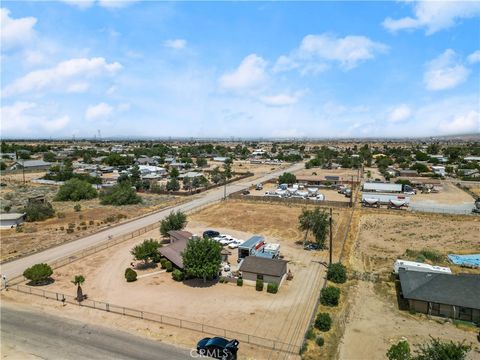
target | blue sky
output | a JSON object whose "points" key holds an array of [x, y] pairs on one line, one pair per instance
{"points": [[239, 69]]}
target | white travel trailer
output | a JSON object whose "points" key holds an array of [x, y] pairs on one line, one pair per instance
{"points": [[416, 266], [382, 187]]}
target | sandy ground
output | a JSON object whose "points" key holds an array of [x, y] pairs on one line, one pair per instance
{"points": [[344, 174], [449, 195], [374, 325], [283, 316], [383, 237], [373, 321], [92, 218], [330, 195]]}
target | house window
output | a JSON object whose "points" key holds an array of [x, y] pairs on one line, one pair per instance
{"points": [[465, 314], [259, 276]]}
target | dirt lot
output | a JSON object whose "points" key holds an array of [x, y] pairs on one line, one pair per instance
{"points": [[283, 316], [373, 321], [92, 217], [374, 325], [344, 174], [385, 236], [330, 195], [448, 195]]}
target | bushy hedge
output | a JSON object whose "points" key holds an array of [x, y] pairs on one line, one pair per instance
{"points": [[38, 273], [329, 296], [121, 194], [320, 341], [272, 288], [337, 273], [323, 322], [168, 266], [177, 275], [76, 190], [130, 275], [39, 212], [239, 282], [259, 285]]}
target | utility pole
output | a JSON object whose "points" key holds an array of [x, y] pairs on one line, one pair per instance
{"points": [[351, 193], [331, 239], [225, 189]]}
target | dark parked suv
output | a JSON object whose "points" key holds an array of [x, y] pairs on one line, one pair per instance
{"points": [[210, 233], [218, 348]]}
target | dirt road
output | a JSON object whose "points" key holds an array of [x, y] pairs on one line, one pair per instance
{"points": [[15, 268]]}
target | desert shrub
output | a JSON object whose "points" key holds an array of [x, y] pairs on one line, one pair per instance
{"points": [[19, 229], [121, 216], [84, 228], [425, 254], [239, 282], [222, 280], [329, 296], [75, 190], [83, 223], [337, 273], [60, 215], [39, 212], [310, 335], [121, 194], [70, 231], [71, 225], [399, 351], [320, 341], [272, 288], [177, 275], [110, 218], [323, 322], [77, 207], [62, 228], [259, 285], [169, 266], [38, 273], [130, 275], [91, 222], [303, 348]]}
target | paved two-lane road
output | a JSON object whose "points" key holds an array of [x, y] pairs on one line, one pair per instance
{"points": [[16, 267], [31, 335]]}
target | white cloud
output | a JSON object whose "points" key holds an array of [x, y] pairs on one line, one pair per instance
{"points": [[399, 113], [79, 87], [100, 111], [316, 52], [281, 99], [63, 74], [104, 111], [462, 124], [176, 44], [28, 118], [250, 73], [434, 15], [474, 57], [445, 72], [15, 32]]}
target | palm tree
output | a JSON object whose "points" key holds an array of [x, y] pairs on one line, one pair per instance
{"points": [[305, 223], [79, 280]]}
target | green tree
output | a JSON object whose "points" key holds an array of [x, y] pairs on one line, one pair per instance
{"points": [[148, 250], [3, 166], [315, 221], [201, 162], [39, 212], [78, 280], [174, 221], [337, 273], [76, 190], [438, 350], [173, 185], [287, 178], [420, 168], [174, 173], [177, 275], [323, 322], [201, 258], [135, 174], [38, 274], [399, 351], [120, 194], [49, 157], [330, 296]]}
